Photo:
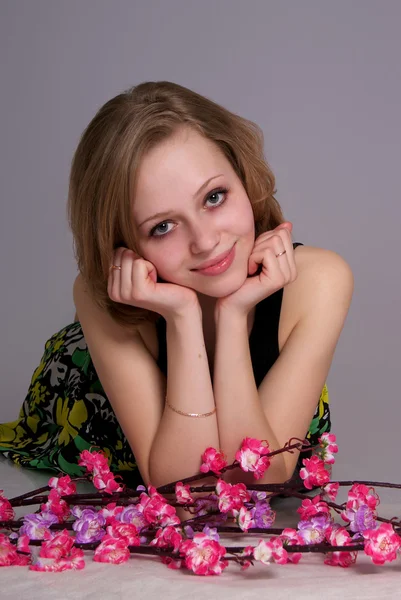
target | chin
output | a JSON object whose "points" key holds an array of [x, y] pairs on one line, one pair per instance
{"points": [[220, 286]]}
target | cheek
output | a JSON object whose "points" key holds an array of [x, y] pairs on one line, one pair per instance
{"points": [[165, 256], [242, 219]]}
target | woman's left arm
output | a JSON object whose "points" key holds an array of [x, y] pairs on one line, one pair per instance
{"points": [[286, 400]]}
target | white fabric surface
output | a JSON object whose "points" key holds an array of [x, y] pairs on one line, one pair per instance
{"points": [[147, 577]]}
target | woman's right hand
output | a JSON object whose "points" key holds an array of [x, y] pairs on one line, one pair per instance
{"points": [[136, 284]]}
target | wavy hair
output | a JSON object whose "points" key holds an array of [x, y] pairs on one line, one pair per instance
{"points": [[107, 158]]}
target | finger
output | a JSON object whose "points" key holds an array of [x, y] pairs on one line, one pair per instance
{"points": [[272, 269], [113, 284], [274, 263], [284, 253], [284, 229], [290, 255], [152, 273], [286, 225], [127, 259], [276, 242]]}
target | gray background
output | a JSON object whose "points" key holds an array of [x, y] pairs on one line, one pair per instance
{"points": [[322, 78]]}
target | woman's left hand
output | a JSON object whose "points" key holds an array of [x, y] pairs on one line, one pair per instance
{"points": [[271, 266]]}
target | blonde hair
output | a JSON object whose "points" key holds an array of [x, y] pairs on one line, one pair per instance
{"points": [[106, 160]]}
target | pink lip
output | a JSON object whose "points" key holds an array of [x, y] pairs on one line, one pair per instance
{"points": [[217, 265]]}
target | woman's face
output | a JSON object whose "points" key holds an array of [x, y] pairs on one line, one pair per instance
{"points": [[191, 209]]}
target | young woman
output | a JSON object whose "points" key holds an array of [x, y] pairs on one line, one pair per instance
{"points": [[199, 322]]}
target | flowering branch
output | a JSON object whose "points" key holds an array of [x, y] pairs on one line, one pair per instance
{"points": [[117, 521]]}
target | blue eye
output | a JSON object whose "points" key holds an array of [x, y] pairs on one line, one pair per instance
{"points": [[160, 229], [217, 197]]}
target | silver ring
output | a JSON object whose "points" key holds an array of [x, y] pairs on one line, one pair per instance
{"points": [[115, 267], [281, 253]]}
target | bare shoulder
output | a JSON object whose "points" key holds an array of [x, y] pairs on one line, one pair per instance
{"points": [[324, 283], [324, 267]]}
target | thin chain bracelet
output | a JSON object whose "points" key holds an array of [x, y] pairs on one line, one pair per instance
{"points": [[180, 412]]}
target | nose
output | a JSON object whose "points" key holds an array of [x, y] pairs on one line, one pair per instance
{"points": [[204, 238]]}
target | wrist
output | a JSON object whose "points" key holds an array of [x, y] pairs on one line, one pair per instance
{"points": [[230, 316], [225, 311], [190, 314]]}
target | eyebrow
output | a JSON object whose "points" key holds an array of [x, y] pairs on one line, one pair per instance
{"points": [[162, 215]]}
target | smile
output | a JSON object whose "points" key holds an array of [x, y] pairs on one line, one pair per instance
{"points": [[219, 265]]}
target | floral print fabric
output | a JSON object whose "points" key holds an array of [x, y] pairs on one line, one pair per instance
{"points": [[66, 411]]}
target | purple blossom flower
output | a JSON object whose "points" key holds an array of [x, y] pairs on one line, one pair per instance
{"points": [[204, 506], [257, 495], [35, 525], [262, 514], [89, 526], [211, 533], [361, 519], [189, 532], [313, 530], [134, 515]]}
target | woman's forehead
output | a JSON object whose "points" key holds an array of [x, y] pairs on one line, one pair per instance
{"points": [[179, 165]]}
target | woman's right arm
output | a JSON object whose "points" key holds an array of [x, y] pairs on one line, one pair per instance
{"points": [[167, 446]]}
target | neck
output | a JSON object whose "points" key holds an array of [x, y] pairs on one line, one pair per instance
{"points": [[207, 304]]}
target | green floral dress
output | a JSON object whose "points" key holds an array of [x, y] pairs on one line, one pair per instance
{"points": [[66, 411]]}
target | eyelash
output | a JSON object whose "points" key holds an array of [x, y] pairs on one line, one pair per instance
{"points": [[223, 191]]}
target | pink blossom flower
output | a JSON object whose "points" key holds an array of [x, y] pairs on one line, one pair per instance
{"points": [[112, 550], [168, 537], [105, 481], [280, 554], [212, 460], [6, 510], [231, 496], [56, 506], [273, 550], [58, 546], [111, 512], [243, 518], [246, 552], [313, 473], [172, 563], [382, 544], [183, 493], [63, 485], [360, 495], [127, 531], [23, 543], [330, 491], [328, 447], [156, 510], [203, 556], [250, 456], [93, 461], [263, 552], [75, 561], [8, 552], [291, 537], [339, 536], [97, 464], [310, 508]]}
